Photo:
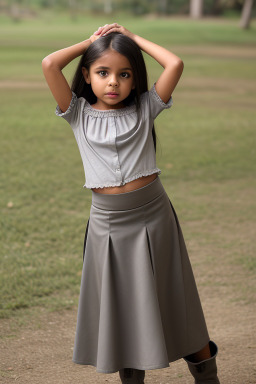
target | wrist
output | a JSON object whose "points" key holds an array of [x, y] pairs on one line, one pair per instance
{"points": [[86, 44], [135, 38], [131, 36], [91, 39]]}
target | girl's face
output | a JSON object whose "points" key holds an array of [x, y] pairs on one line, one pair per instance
{"points": [[111, 79]]}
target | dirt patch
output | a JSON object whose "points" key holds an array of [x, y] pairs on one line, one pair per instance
{"points": [[211, 84], [40, 351], [9, 84], [221, 93], [217, 51]]}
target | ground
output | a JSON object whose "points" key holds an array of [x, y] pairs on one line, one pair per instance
{"points": [[40, 350], [208, 171]]}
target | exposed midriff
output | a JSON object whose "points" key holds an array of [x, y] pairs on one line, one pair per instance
{"points": [[131, 186]]}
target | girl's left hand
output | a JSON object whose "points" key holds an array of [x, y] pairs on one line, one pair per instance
{"points": [[103, 31]]}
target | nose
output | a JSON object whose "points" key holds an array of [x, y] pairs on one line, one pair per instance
{"points": [[113, 81]]}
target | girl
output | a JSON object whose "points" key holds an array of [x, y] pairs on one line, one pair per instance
{"points": [[139, 307]]}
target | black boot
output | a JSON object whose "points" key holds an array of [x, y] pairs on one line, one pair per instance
{"points": [[132, 376], [205, 372]]}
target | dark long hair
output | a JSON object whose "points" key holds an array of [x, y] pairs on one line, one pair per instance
{"points": [[126, 47]]}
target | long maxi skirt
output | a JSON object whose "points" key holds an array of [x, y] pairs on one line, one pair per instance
{"points": [[139, 306]]}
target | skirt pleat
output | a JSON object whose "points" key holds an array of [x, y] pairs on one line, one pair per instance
{"points": [[139, 306]]}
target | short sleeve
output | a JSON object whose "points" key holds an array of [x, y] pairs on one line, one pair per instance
{"points": [[153, 103], [72, 114]]}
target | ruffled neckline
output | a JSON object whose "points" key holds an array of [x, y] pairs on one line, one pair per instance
{"points": [[89, 110]]}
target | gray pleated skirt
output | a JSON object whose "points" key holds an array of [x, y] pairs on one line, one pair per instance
{"points": [[139, 305]]}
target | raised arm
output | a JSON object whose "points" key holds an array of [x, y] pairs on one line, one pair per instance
{"points": [[172, 64], [52, 68]]}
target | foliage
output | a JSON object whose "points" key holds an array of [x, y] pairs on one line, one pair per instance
{"points": [[19, 8]]}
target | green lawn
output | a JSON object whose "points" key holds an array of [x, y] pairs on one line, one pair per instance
{"points": [[206, 151]]}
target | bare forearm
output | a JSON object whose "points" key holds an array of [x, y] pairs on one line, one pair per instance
{"points": [[164, 57], [172, 64], [52, 66], [64, 56]]}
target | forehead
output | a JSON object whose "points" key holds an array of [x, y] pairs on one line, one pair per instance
{"points": [[112, 59]]}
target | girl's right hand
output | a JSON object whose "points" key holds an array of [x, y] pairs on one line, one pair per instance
{"points": [[95, 35], [108, 28]]}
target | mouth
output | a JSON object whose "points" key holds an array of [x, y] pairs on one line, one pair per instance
{"points": [[112, 95]]}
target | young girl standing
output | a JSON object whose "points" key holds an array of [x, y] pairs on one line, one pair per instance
{"points": [[139, 307]]}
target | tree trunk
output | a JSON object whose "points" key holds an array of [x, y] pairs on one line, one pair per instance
{"points": [[72, 9], [15, 12], [108, 8], [196, 9], [216, 8], [246, 14], [163, 6]]}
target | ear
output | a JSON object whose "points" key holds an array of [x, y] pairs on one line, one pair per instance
{"points": [[133, 85], [86, 75]]}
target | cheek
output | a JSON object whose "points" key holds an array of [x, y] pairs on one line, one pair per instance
{"points": [[97, 81], [132, 84], [94, 82], [96, 88]]}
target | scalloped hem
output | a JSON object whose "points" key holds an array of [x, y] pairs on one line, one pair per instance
{"points": [[121, 183], [73, 101], [158, 98]]}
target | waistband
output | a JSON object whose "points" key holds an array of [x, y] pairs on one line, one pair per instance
{"points": [[128, 200]]}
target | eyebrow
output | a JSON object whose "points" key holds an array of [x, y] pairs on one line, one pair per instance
{"points": [[122, 69]]}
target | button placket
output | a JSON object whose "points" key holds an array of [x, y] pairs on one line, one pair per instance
{"points": [[112, 126]]}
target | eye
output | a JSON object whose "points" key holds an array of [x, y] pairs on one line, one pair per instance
{"points": [[102, 72], [126, 75]]}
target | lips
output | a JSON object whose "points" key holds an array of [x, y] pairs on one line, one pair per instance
{"points": [[112, 93]]}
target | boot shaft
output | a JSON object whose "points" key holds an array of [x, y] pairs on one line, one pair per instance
{"points": [[205, 372], [132, 376]]}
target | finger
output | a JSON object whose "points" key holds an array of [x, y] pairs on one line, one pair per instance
{"points": [[109, 27], [105, 28], [115, 25], [106, 25], [99, 29], [111, 30]]}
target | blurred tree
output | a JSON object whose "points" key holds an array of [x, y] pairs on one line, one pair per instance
{"points": [[196, 9], [17, 9], [217, 7], [246, 14], [14, 10], [108, 6], [138, 7], [72, 8], [163, 6]]}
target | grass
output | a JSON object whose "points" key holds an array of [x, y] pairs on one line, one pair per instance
{"points": [[206, 151]]}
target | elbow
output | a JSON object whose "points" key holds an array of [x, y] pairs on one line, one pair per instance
{"points": [[47, 63], [176, 65], [179, 66]]}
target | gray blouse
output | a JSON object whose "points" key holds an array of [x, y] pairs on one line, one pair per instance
{"points": [[116, 145]]}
